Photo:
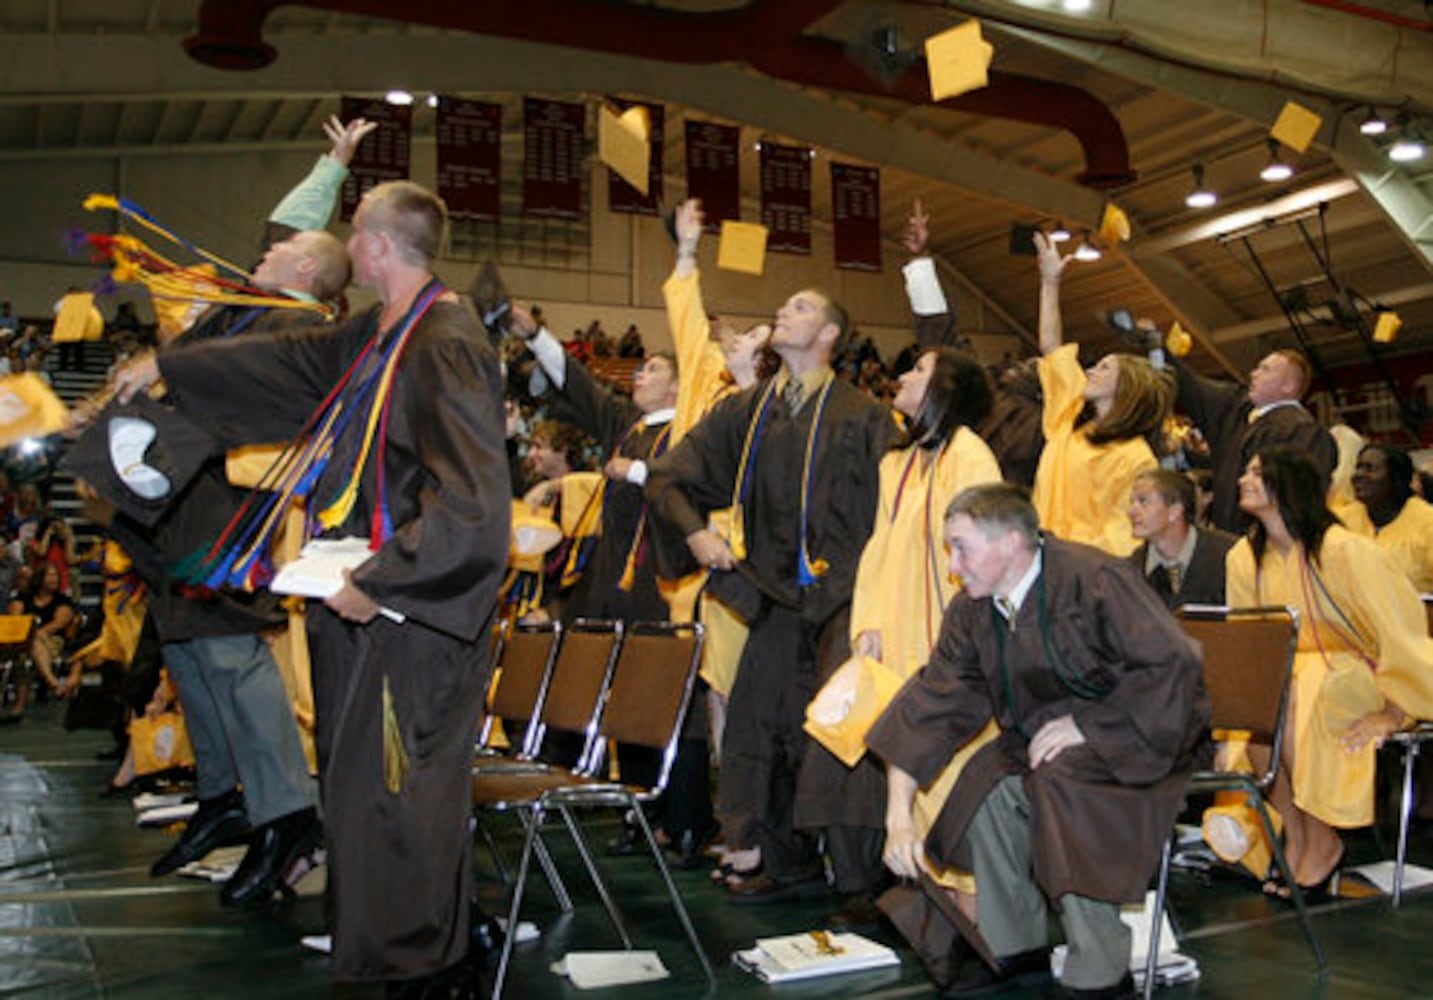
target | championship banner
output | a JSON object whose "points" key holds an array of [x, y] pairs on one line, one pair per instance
{"points": [[714, 171], [623, 197], [383, 156], [470, 153], [786, 197], [552, 159], [856, 216]]}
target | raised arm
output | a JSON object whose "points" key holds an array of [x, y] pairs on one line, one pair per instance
{"points": [[1052, 268], [934, 316], [311, 202]]}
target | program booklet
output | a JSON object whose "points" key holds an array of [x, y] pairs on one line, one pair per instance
{"points": [[812, 954]]}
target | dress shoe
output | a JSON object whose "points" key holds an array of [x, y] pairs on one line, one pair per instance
{"points": [[626, 843], [274, 848], [691, 849], [766, 888], [1026, 969], [1121, 990], [485, 938], [217, 821]]}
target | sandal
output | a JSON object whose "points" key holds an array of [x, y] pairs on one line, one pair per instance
{"points": [[1321, 891]]}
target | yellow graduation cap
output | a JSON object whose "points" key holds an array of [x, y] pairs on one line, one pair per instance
{"points": [[1178, 341], [1296, 126], [957, 60], [624, 143], [1114, 226], [1387, 326], [78, 319], [579, 500], [532, 534], [742, 247], [28, 408], [848, 705]]}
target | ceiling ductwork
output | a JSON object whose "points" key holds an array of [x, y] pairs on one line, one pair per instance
{"points": [[767, 35]]}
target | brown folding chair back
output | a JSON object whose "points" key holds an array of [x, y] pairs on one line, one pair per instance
{"points": [[580, 676], [652, 688], [525, 660]]}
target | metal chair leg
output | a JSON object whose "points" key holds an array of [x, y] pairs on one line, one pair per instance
{"points": [[1151, 961], [675, 896], [597, 881], [549, 870], [492, 845], [1405, 815], [1295, 892], [531, 823]]}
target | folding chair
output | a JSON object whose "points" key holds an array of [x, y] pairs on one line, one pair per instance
{"points": [[646, 705], [1248, 666], [17, 666], [525, 658], [567, 704], [1411, 741]]}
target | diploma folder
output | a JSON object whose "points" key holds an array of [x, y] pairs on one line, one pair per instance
{"points": [[318, 570], [811, 955]]}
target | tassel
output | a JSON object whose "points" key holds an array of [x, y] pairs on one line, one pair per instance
{"points": [[395, 757]]}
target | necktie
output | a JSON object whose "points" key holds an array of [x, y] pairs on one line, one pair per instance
{"points": [[791, 395], [1007, 610], [1174, 572]]}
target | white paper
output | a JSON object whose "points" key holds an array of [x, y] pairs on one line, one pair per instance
{"points": [[164, 815], [318, 571], [1380, 875], [590, 970], [799, 956]]}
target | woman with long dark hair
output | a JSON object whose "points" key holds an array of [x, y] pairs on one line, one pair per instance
{"points": [[902, 586], [1364, 666], [1098, 426]]}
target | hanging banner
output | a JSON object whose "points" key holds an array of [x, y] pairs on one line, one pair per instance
{"points": [[623, 197], [786, 198], [470, 155], [856, 216], [713, 170], [383, 156], [553, 136]]}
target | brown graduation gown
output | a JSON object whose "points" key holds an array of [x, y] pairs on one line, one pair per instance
{"points": [[399, 863], [1101, 811]]}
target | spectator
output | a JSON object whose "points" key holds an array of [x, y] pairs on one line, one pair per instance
{"points": [[54, 614], [631, 346]]}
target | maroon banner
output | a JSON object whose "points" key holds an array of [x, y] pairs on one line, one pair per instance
{"points": [[1371, 407], [470, 156], [383, 156], [856, 216], [623, 197], [786, 198], [714, 170], [553, 137]]}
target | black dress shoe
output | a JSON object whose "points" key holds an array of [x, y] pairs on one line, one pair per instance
{"points": [[217, 822], [485, 938], [1026, 969], [627, 843], [858, 913], [766, 888], [275, 847]]}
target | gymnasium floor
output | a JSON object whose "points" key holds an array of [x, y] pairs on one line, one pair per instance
{"points": [[80, 917]]}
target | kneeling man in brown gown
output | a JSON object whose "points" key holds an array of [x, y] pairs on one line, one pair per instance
{"points": [[1102, 707]]}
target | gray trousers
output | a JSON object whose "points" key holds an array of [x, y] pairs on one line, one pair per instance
{"points": [[1013, 911], [240, 724]]}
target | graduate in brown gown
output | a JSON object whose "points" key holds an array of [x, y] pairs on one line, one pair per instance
{"points": [[1101, 704], [798, 455], [398, 703]]}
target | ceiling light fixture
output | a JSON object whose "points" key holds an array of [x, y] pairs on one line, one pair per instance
{"points": [[1059, 234], [1200, 196], [1373, 123], [432, 100], [401, 98], [1275, 170], [1087, 251], [1408, 147], [1077, 6]]}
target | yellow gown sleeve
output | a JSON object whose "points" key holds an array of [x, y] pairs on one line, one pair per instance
{"points": [[868, 603], [1239, 576], [1062, 381], [1384, 605], [700, 366]]}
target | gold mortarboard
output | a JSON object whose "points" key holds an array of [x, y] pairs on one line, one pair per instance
{"points": [[958, 60], [1387, 326], [1178, 340], [1296, 126], [28, 408], [624, 144], [742, 247], [78, 319], [1114, 226]]}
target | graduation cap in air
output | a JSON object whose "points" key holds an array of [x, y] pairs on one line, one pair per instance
{"points": [[879, 49], [490, 297], [28, 408], [140, 455]]}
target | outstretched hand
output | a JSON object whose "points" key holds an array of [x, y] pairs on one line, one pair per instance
{"points": [[1052, 262], [689, 219], [345, 138], [917, 233]]}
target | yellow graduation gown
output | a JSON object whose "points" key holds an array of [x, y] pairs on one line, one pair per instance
{"points": [[903, 583], [1081, 488], [1363, 638], [1408, 540]]}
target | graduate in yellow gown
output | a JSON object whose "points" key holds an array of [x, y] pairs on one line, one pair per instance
{"points": [[1400, 523], [1096, 423], [1364, 665], [902, 584]]}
